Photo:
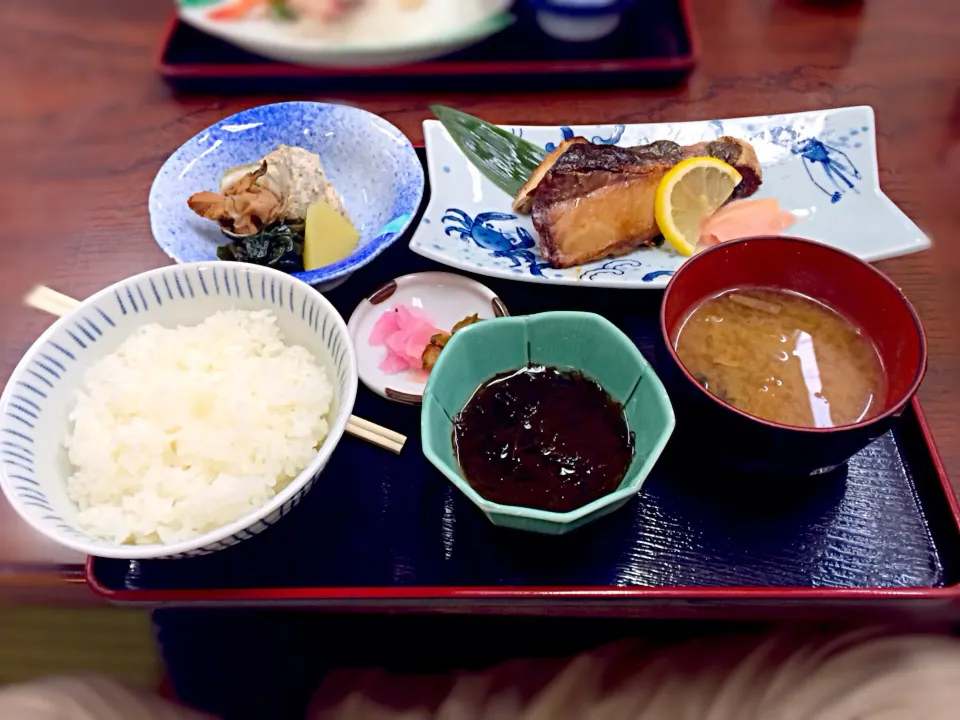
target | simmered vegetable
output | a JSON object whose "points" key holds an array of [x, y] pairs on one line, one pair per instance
{"points": [[329, 237]]}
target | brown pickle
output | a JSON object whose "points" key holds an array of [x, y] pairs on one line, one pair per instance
{"points": [[544, 438]]}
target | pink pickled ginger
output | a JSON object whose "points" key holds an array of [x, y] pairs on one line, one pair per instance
{"points": [[405, 331], [744, 218]]}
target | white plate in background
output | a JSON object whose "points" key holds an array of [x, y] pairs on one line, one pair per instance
{"points": [[377, 36]]}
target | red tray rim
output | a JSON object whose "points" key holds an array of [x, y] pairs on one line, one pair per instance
{"points": [[432, 68], [534, 595]]}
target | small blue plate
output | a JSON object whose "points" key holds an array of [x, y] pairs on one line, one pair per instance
{"points": [[370, 162]]}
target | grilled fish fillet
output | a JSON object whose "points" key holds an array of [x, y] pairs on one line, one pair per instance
{"points": [[523, 203], [596, 201]]}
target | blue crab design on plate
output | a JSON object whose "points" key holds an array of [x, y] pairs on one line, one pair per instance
{"points": [[481, 231]]}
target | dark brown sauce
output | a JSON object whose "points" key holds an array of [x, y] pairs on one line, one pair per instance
{"points": [[542, 438]]}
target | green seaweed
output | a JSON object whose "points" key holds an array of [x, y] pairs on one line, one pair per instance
{"points": [[505, 159], [278, 245]]}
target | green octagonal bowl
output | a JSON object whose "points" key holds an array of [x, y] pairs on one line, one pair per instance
{"points": [[567, 340]]}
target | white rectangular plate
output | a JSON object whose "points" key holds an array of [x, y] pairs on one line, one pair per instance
{"points": [[820, 165]]}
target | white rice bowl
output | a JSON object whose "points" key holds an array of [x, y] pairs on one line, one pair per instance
{"points": [[198, 477], [183, 430]]}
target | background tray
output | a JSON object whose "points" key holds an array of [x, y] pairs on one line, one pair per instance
{"points": [[382, 530], [654, 46]]}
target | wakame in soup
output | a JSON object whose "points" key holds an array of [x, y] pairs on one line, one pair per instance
{"points": [[783, 357]]}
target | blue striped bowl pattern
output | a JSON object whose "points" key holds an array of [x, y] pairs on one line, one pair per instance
{"points": [[37, 400], [370, 162]]}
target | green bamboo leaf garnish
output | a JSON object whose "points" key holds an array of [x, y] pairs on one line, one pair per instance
{"points": [[503, 158]]}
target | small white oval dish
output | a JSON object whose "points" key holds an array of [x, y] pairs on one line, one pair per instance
{"points": [[446, 297]]}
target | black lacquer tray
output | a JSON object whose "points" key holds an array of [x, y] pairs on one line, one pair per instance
{"points": [[380, 530]]}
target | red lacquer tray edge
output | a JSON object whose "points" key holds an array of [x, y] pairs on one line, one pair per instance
{"points": [[541, 595], [269, 69]]}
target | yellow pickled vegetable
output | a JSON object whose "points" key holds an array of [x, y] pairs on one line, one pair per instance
{"points": [[328, 237]]}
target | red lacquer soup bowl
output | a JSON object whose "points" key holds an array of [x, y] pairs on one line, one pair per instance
{"points": [[854, 288]]}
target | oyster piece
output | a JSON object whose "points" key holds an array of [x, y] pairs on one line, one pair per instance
{"points": [[244, 209], [281, 187], [232, 176]]}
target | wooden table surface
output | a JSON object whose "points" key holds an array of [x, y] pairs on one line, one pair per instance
{"points": [[85, 123]]}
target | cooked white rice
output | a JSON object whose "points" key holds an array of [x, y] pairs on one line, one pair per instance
{"points": [[181, 431]]}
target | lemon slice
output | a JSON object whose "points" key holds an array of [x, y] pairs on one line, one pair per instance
{"points": [[690, 193]]}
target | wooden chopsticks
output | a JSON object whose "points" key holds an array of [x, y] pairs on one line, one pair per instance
{"points": [[49, 300], [376, 434], [55, 303]]}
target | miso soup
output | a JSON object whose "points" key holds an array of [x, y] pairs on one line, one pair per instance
{"points": [[783, 357]]}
